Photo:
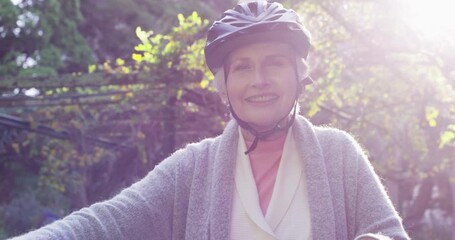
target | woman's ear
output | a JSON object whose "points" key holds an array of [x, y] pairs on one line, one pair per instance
{"points": [[220, 85]]}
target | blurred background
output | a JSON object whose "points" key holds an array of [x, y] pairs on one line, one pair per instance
{"points": [[94, 94]]}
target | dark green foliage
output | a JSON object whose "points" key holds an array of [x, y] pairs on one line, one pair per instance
{"points": [[109, 25], [42, 37]]}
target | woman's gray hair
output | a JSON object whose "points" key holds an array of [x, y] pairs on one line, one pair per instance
{"points": [[302, 73]]}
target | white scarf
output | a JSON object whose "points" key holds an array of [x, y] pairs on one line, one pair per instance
{"points": [[288, 213]]}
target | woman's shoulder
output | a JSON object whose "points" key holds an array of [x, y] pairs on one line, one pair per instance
{"points": [[326, 134], [205, 147], [203, 153], [329, 133], [339, 149], [192, 149], [330, 139]]}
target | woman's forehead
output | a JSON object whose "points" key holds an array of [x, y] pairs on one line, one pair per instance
{"points": [[261, 49]]}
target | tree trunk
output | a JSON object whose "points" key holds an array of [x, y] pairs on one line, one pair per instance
{"points": [[419, 205], [168, 128]]}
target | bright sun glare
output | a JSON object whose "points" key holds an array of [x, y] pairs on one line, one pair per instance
{"points": [[433, 19]]}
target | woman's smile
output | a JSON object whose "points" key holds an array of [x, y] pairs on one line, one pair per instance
{"points": [[263, 98]]}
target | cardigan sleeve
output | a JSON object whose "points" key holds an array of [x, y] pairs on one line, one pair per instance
{"points": [[142, 211], [375, 216]]}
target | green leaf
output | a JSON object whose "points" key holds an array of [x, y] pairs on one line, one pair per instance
{"points": [[431, 113], [432, 123], [181, 19], [91, 68], [446, 137], [204, 83], [120, 62], [169, 48], [136, 57], [179, 94], [314, 108], [142, 35]]}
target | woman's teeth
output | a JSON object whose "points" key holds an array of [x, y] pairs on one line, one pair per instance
{"points": [[264, 98]]}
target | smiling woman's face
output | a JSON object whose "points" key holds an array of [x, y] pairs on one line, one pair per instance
{"points": [[262, 83]]}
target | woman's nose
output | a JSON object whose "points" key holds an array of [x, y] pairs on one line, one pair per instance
{"points": [[260, 78]]}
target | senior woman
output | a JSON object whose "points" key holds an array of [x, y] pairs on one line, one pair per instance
{"points": [[270, 175]]}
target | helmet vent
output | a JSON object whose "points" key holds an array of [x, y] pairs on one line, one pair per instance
{"points": [[239, 9], [239, 24], [229, 20], [273, 18], [253, 6]]}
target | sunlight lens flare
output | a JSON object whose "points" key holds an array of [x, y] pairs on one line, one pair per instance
{"points": [[433, 19]]}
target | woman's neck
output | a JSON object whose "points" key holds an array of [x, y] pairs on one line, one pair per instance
{"points": [[249, 137]]}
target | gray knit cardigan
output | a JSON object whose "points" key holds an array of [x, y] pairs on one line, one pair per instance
{"points": [[189, 194]]}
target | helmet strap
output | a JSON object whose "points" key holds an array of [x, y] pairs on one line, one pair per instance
{"points": [[264, 134]]}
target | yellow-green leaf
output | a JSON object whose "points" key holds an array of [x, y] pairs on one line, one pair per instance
{"points": [[91, 68], [446, 137], [179, 94], [120, 62], [143, 35], [181, 18], [204, 83], [431, 113], [125, 70], [314, 108], [137, 57]]}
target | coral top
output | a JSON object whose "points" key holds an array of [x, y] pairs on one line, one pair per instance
{"points": [[264, 161]]}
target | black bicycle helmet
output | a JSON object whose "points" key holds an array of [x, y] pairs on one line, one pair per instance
{"points": [[251, 22]]}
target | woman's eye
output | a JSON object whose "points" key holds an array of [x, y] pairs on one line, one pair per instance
{"points": [[241, 67], [276, 62]]}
